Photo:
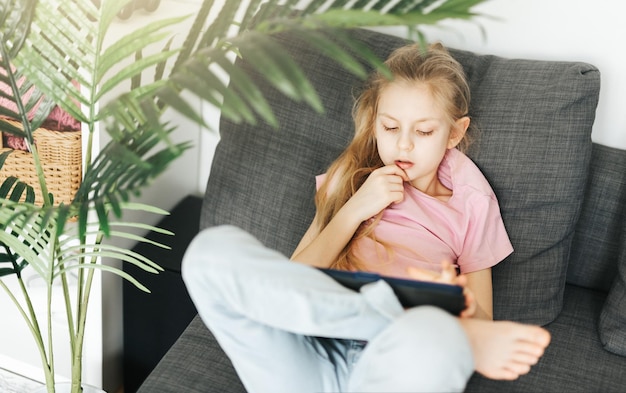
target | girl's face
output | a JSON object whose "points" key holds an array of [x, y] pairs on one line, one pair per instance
{"points": [[412, 132]]}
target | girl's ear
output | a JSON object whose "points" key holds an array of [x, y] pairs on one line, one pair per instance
{"points": [[458, 131]]}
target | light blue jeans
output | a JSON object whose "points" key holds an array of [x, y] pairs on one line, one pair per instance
{"points": [[288, 327]]}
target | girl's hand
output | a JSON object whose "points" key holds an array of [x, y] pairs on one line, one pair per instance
{"points": [[321, 248], [447, 276], [470, 303], [383, 187]]}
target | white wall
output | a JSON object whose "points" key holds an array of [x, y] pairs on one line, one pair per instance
{"points": [[574, 30]]}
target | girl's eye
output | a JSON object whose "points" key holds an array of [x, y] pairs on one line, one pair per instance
{"points": [[389, 128], [424, 133]]}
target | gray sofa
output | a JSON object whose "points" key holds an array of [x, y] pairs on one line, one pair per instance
{"points": [[563, 201]]}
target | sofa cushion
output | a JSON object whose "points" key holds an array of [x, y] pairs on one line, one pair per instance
{"points": [[599, 257], [195, 364], [535, 120], [598, 237], [575, 360], [612, 326], [534, 146]]}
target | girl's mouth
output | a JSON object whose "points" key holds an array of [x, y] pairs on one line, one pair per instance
{"points": [[404, 165]]}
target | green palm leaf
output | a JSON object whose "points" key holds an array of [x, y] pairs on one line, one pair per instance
{"points": [[94, 67], [60, 47], [126, 47], [195, 67], [43, 61], [140, 148], [15, 21], [29, 231], [24, 236], [31, 112], [123, 167]]}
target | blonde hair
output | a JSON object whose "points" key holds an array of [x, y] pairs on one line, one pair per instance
{"points": [[434, 68]]}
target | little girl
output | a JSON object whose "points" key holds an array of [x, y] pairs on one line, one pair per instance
{"points": [[402, 201]]}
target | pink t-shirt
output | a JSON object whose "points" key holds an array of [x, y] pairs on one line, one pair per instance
{"points": [[422, 231]]}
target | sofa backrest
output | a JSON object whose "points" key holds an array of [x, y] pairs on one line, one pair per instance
{"points": [[599, 245], [534, 147]]}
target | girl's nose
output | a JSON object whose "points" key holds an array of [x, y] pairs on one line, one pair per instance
{"points": [[405, 143]]}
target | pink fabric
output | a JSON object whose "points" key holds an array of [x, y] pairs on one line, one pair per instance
{"points": [[15, 142], [423, 231], [58, 119]]}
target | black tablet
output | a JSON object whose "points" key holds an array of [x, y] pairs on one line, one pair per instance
{"points": [[410, 293]]}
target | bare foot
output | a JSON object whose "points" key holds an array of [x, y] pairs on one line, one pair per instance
{"points": [[503, 349]]}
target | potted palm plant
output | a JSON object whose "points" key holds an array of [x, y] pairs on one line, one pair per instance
{"points": [[58, 48]]}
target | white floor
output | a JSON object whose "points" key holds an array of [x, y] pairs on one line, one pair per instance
{"points": [[14, 383]]}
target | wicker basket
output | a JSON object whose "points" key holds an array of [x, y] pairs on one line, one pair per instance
{"points": [[61, 155]]}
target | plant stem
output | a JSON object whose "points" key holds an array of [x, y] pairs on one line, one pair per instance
{"points": [[68, 304], [34, 329], [77, 340], [40, 174], [82, 307], [66, 297], [50, 344]]}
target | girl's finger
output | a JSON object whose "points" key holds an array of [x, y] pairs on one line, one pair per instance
{"points": [[394, 170], [448, 273], [470, 305], [461, 280]]}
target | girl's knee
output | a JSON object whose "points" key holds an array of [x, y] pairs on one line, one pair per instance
{"points": [[219, 241], [224, 259], [211, 248], [425, 348], [439, 342], [433, 330], [209, 257]]}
